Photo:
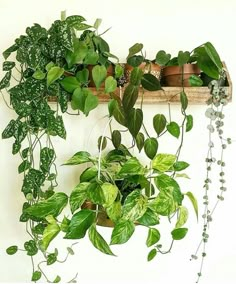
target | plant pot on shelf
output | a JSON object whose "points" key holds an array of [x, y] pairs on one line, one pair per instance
{"points": [[110, 72], [174, 75], [151, 67]]}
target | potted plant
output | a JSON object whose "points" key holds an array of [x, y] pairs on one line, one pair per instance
{"points": [[146, 65], [185, 69]]}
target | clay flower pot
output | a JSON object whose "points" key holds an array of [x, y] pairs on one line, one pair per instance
{"points": [[151, 67], [172, 75]]}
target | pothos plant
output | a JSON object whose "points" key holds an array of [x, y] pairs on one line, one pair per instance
{"points": [[54, 62]]}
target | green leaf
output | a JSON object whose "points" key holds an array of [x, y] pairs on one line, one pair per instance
{"points": [[162, 57], [183, 175], [36, 276], [164, 204], [65, 224], [8, 65], [51, 258], [118, 113], [135, 60], [91, 58], [31, 247], [205, 63], [116, 138], [189, 123], [195, 81], [110, 192], [78, 99], [57, 279], [47, 157], [78, 196], [99, 74], [5, 82], [9, 50], [80, 223], [25, 165], [95, 193], [180, 165], [119, 71], [8, 132], [70, 250], [163, 162], [122, 232], [74, 20], [193, 201], [134, 206], [152, 254], [153, 237], [91, 102], [50, 232], [52, 206], [102, 143], [208, 60], [78, 54], [150, 147], [159, 123], [98, 241], [174, 129], [179, 234], [132, 167], [110, 84], [140, 141], [89, 174], [53, 74], [135, 121], [149, 218], [183, 57], [150, 82], [39, 75], [83, 76], [59, 127], [97, 23], [168, 185], [182, 217], [184, 100], [137, 47], [130, 97], [79, 158], [114, 211], [70, 84], [12, 250], [136, 76]]}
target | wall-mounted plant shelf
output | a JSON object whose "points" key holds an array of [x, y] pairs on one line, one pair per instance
{"points": [[196, 95]]}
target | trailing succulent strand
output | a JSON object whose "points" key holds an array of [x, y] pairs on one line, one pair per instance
{"points": [[216, 143]]}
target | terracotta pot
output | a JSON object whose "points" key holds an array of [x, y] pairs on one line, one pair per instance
{"points": [[172, 75], [151, 67], [110, 72]]}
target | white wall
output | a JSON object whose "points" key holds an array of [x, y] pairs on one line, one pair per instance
{"points": [[169, 25]]}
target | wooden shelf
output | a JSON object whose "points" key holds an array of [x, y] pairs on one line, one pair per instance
{"points": [[196, 95]]}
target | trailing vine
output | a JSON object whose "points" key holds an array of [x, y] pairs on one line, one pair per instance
{"points": [[216, 142]]}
